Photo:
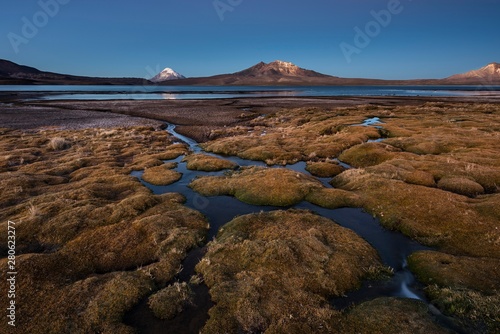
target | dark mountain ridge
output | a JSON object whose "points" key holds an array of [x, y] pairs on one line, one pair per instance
{"points": [[277, 73], [15, 74]]}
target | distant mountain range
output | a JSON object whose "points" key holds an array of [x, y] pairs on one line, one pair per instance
{"points": [[261, 74], [14, 74]]}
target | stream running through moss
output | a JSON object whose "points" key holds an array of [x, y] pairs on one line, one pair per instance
{"points": [[392, 247]]}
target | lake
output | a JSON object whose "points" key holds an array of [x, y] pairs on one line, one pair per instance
{"points": [[216, 92]]}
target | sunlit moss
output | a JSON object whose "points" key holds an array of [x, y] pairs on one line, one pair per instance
{"points": [[207, 163], [260, 186], [161, 175]]}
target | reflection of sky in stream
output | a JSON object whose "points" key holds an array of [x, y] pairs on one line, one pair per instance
{"points": [[393, 247]]}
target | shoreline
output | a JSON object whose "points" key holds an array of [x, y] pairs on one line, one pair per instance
{"points": [[195, 118]]}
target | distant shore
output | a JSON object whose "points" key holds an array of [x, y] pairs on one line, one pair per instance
{"points": [[195, 118]]}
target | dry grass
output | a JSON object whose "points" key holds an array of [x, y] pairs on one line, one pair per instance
{"points": [[276, 187], [142, 161], [461, 185], [161, 175], [459, 272], [333, 198], [434, 217], [324, 169], [58, 144], [274, 272], [91, 240], [464, 287], [477, 312], [170, 301], [283, 138], [368, 154], [390, 315], [207, 163]]}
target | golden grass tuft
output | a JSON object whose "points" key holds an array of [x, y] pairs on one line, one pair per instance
{"points": [[161, 175], [58, 144], [418, 177], [207, 163]]}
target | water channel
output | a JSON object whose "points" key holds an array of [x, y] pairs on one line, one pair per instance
{"points": [[392, 247]]}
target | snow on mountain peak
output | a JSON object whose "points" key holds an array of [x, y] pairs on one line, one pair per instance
{"points": [[167, 74], [284, 63], [493, 68], [278, 70]]}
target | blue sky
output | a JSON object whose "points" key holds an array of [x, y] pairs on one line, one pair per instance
{"points": [[424, 39]]}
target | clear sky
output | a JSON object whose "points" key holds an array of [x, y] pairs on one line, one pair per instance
{"points": [[420, 39]]}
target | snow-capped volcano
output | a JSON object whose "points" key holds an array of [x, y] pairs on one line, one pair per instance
{"points": [[167, 74], [490, 72], [278, 68]]}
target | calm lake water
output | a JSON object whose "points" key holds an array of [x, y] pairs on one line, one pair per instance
{"points": [[216, 92]]}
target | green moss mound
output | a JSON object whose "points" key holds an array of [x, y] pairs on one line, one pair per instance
{"points": [[260, 186], [391, 315], [207, 163], [368, 154], [461, 185], [161, 175], [481, 274], [91, 240], [464, 287], [170, 301], [334, 198], [324, 169], [274, 272]]}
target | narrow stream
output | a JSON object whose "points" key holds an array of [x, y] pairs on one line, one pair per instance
{"points": [[392, 247]]}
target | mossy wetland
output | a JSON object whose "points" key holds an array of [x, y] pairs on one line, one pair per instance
{"points": [[274, 220]]}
